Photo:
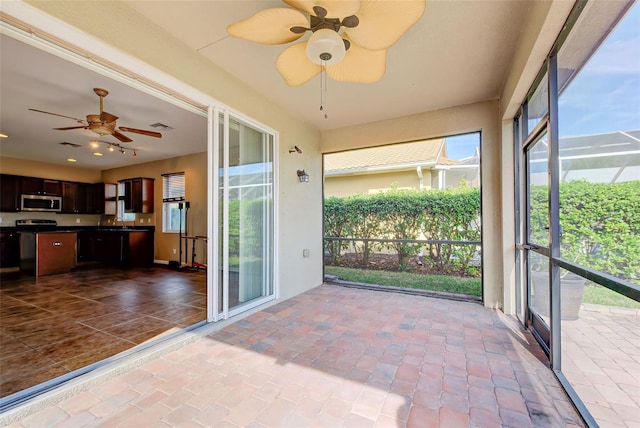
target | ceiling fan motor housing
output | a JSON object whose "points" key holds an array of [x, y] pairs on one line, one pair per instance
{"points": [[325, 47]]}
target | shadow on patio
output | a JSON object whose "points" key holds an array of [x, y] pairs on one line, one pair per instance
{"points": [[336, 356]]}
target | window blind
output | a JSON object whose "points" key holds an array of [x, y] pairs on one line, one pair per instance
{"points": [[173, 187]]}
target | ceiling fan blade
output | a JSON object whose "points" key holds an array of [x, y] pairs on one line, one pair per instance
{"points": [[359, 66], [295, 67], [107, 117], [121, 137], [270, 26], [70, 127], [383, 22], [334, 8], [141, 131], [56, 114]]}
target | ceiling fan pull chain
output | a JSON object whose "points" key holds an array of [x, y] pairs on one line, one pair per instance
{"points": [[323, 82]]}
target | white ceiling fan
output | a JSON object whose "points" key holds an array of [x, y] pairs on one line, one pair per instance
{"points": [[350, 37]]}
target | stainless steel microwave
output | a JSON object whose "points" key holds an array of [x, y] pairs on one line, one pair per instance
{"points": [[40, 203]]}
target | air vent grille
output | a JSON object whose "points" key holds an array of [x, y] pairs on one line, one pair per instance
{"points": [[66, 143], [161, 126]]}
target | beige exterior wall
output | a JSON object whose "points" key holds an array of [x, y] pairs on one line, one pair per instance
{"points": [[347, 185]]}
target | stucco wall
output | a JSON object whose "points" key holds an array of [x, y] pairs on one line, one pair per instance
{"points": [[481, 117], [366, 183]]}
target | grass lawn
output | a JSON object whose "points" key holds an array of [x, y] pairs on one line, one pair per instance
{"points": [[594, 294], [599, 295], [450, 284]]}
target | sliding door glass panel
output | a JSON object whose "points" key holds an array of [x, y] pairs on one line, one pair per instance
{"points": [[250, 214], [538, 192]]}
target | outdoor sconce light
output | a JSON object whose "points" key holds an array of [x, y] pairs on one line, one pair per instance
{"points": [[303, 177]]}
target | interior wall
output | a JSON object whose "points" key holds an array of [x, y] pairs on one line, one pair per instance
{"points": [[48, 170], [195, 171], [300, 205], [481, 117]]}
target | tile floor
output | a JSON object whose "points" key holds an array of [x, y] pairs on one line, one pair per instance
{"points": [[60, 323], [335, 356], [601, 360]]}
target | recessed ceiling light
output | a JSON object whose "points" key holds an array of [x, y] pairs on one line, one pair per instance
{"points": [[3, 135], [71, 160], [94, 144], [97, 154]]}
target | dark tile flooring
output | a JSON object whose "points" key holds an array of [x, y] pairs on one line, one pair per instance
{"points": [[52, 325]]}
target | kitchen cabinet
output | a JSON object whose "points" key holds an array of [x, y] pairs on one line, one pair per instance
{"points": [[109, 198], [126, 247], [9, 249], [9, 193], [96, 201], [138, 195], [40, 186], [47, 253], [74, 197], [87, 246]]}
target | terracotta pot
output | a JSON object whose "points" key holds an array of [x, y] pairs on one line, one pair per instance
{"points": [[571, 291]]}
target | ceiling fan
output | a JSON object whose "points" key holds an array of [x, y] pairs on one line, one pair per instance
{"points": [[103, 123], [350, 37]]}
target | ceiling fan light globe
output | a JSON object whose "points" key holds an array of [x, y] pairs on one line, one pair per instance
{"points": [[325, 47]]}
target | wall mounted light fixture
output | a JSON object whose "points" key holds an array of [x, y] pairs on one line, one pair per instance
{"points": [[295, 149], [303, 177]]}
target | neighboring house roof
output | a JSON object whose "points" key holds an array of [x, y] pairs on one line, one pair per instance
{"points": [[391, 157]]}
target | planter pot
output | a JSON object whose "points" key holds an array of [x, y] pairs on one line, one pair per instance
{"points": [[571, 291]]}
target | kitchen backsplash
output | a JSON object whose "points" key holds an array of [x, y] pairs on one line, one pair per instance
{"points": [[8, 219]]}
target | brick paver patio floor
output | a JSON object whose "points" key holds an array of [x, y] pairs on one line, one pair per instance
{"points": [[336, 356]]}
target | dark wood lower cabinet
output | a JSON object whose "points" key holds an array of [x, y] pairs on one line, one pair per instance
{"points": [[123, 248], [9, 249]]}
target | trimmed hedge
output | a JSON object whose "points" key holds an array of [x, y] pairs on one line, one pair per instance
{"points": [[600, 225], [408, 214]]}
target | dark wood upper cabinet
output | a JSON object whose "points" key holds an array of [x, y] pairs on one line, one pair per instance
{"points": [[96, 200], [75, 197], [138, 195], [40, 186], [9, 193]]}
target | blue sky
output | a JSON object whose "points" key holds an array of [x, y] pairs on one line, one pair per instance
{"points": [[604, 97]]}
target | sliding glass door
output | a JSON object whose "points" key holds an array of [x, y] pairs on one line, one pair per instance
{"points": [[245, 215]]}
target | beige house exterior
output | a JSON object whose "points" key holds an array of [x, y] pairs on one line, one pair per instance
{"points": [[416, 165]]}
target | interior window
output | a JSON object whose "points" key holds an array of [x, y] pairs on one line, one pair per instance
{"points": [[172, 199]]}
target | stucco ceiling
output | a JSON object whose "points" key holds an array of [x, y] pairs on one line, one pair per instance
{"points": [[458, 53]]}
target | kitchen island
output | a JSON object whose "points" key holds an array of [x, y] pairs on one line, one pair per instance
{"points": [[47, 252], [45, 248]]}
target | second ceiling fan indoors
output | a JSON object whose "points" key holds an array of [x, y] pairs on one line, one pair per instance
{"points": [[103, 123]]}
